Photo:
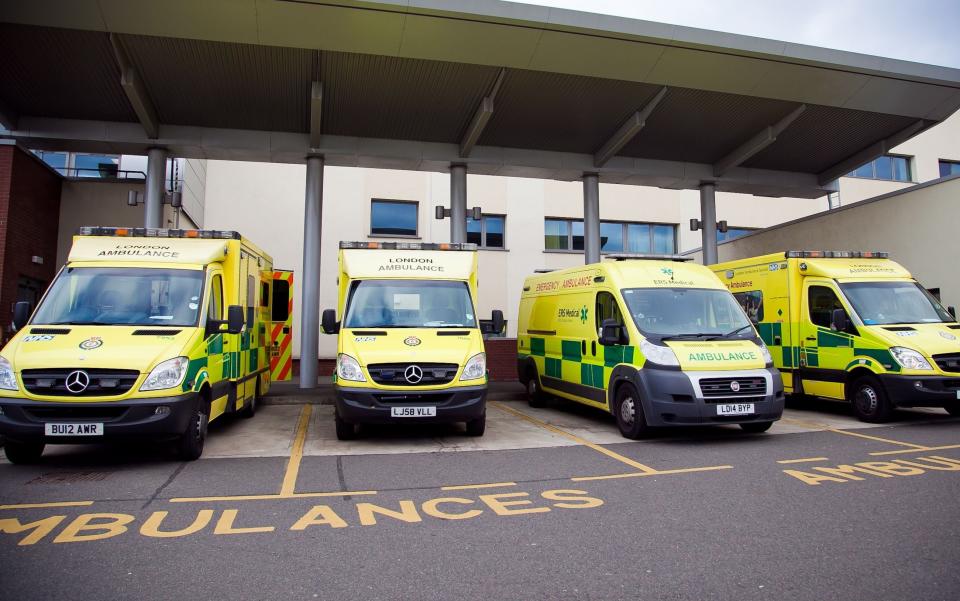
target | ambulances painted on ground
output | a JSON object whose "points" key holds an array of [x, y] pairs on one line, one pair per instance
{"points": [[653, 340], [851, 326], [409, 347], [144, 333]]}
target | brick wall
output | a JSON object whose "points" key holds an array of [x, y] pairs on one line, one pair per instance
{"points": [[29, 218]]}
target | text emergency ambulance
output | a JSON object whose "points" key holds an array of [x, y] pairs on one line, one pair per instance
{"points": [[655, 342], [851, 325], [144, 333], [409, 347]]}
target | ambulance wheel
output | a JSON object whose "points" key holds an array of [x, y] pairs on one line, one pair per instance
{"points": [[23, 453], [536, 398], [345, 430], [250, 409], [756, 427], [476, 427], [869, 400], [629, 413], [190, 445]]}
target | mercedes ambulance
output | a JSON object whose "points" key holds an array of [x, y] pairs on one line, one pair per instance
{"points": [[652, 340], [409, 346], [851, 326], [144, 333]]}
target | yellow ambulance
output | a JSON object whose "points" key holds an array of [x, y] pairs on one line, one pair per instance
{"points": [[851, 326], [652, 340], [144, 333], [409, 347]]}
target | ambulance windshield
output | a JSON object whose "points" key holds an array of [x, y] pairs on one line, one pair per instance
{"points": [[886, 303], [122, 296], [692, 313], [409, 304]]}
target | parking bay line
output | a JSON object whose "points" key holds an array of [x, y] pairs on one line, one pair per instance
{"points": [[686, 470], [296, 453], [643, 468], [473, 486], [901, 451], [804, 460], [826, 428], [46, 505]]}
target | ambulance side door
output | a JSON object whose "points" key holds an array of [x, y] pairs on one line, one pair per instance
{"points": [[281, 326], [604, 358], [824, 351]]}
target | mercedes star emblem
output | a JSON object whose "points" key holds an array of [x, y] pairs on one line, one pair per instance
{"points": [[413, 374], [77, 381]]}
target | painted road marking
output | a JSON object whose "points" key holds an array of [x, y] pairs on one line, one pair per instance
{"points": [[805, 460], [855, 472], [643, 468], [299, 495], [687, 470], [296, 454], [900, 451], [877, 438], [472, 486], [44, 505]]}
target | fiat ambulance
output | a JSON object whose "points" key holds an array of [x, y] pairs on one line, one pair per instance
{"points": [[144, 334], [652, 340], [851, 326], [409, 346]]}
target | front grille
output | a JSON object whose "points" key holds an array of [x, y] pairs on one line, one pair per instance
{"points": [[394, 374], [103, 382], [724, 387], [53, 414], [948, 362]]}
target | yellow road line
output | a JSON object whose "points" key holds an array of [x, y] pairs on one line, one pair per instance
{"points": [[900, 451], [469, 486], [299, 495], [644, 468], [687, 470], [805, 460], [296, 454], [43, 505], [886, 440]]}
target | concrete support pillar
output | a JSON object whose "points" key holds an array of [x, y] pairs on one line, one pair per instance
{"points": [[708, 223], [458, 203], [310, 278], [154, 188], [591, 218]]}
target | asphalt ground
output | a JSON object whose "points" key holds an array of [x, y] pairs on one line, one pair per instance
{"points": [[550, 504]]}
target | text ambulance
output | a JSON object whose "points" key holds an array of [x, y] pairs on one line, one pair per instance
{"points": [[851, 325], [655, 342], [409, 347], [144, 333]]}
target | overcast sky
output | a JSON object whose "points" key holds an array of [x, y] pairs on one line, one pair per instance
{"points": [[926, 31]]}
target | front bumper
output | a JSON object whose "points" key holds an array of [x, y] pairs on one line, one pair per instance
{"points": [[372, 406], [671, 398], [922, 391], [23, 420]]}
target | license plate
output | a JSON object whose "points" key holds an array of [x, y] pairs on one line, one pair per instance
{"points": [[735, 409], [61, 429], [413, 411]]}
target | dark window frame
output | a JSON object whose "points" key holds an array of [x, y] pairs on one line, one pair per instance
{"points": [[873, 167], [483, 231], [624, 236], [953, 163], [416, 207]]}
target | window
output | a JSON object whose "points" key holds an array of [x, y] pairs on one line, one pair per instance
{"points": [[615, 236], [752, 304], [281, 301], [733, 233], [56, 160], [264, 294], [607, 308], [251, 299], [95, 165], [822, 301], [949, 168], [888, 167], [410, 304], [393, 218], [487, 232], [215, 308]]}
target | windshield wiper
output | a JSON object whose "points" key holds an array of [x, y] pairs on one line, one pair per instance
{"points": [[688, 336], [737, 331]]}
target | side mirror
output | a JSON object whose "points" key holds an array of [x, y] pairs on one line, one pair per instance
{"points": [[329, 322], [952, 311], [21, 314], [498, 322], [235, 319], [839, 320], [612, 333]]}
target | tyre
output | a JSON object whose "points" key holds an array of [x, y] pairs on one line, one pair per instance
{"points": [[250, 409], [628, 410], [476, 427], [869, 400], [536, 398], [190, 445], [23, 453], [756, 427], [345, 430]]}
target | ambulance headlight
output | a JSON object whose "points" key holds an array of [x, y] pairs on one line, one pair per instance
{"points": [[349, 369], [8, 380], [661, 355], [475, 368], [909, 358], [168, 374], [765, 352]]}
